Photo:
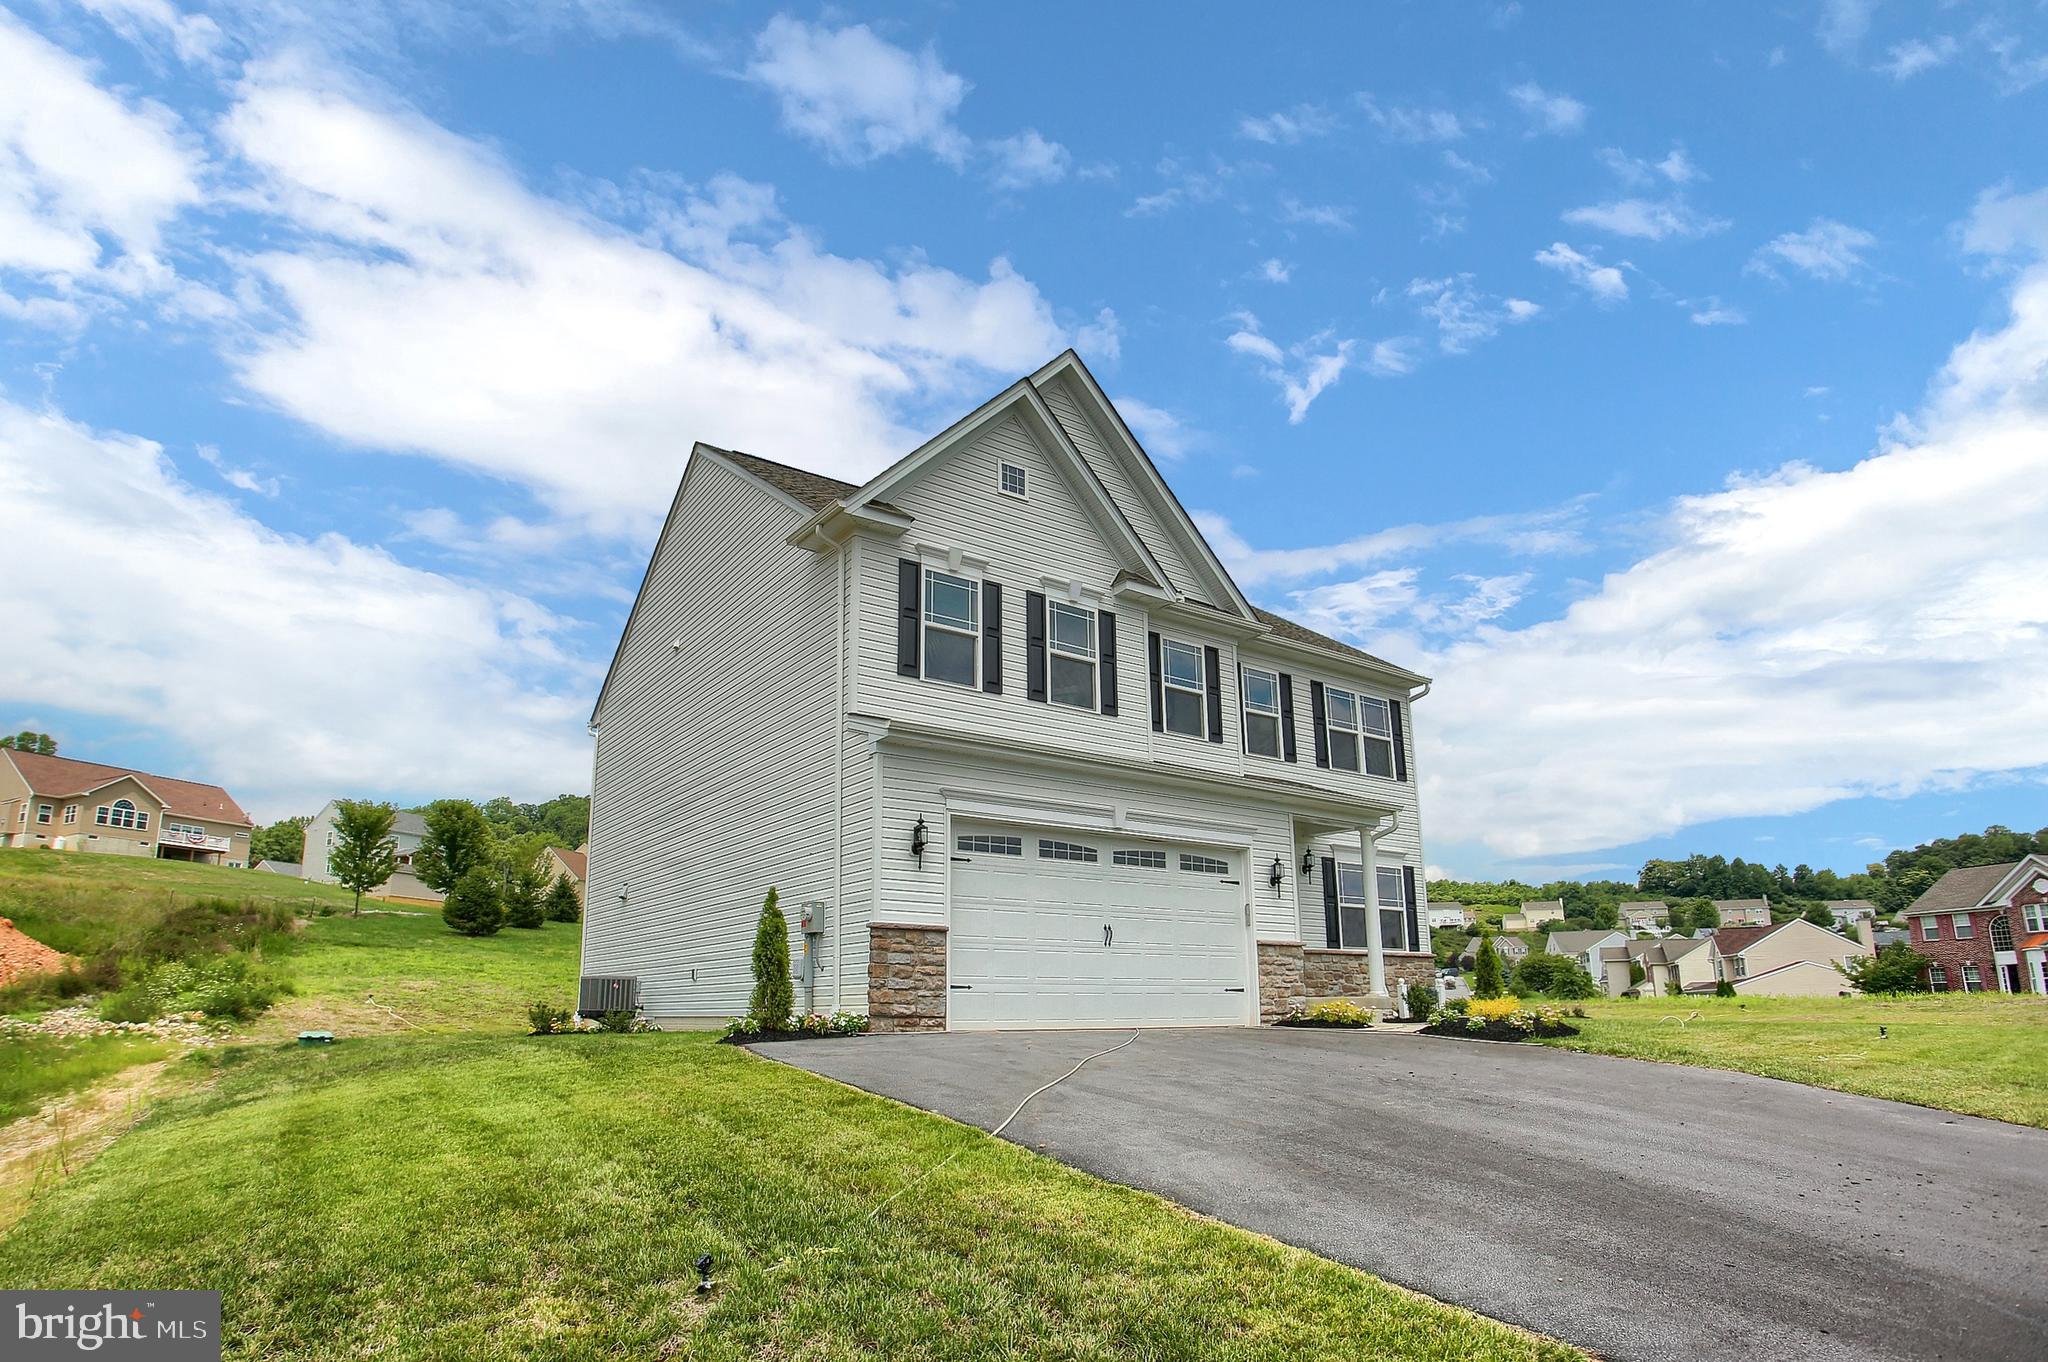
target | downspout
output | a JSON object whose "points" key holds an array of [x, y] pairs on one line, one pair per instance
{"points": [[583, 919], [839, 571]]}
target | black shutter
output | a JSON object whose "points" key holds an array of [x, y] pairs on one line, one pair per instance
{"points": [[1322, 723], [1408, 891], [1400, 750], [1105, 636], [909, 586], [1034, 645], [992, 637], [1332, 935], [1158, 699], [1212, 669], [1287, 716], [1244, 730]]}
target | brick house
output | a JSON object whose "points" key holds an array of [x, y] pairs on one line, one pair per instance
{"points": [[69, 805], [1985, 928]]}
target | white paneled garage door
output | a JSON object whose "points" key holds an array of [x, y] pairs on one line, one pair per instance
{"points": [[1055, 928]]}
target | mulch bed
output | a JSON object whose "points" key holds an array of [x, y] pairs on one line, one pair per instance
{"points": [[760, 1036], [1500, 1031], [1307, 1025]]}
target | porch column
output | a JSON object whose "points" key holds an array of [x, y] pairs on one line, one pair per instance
{"points": [[1375, 949]]}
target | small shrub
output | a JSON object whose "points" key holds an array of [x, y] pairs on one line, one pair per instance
{"points": [[546, 1019], [741, 1026], [774, 996], [232, 987], [1494, 1009], [562, 903], [473, 907], [523, 898], [1554, 976], [1338, 1012], [1724, 989], [620, 1022], [849, 1024], [1421, 998]]}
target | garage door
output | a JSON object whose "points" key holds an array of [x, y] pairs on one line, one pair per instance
{"points": [[1056, 928]]}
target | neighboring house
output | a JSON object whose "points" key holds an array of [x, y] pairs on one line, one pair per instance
{"points": [[1885, 936], [560, 863], [407, 830], [1585, 947], [1985, 927], [1011, 743], [1744, 912], [86, 806], [1446, 914], [289, 869], [1848, 912], [1533, 915], [1787, 959], [1512, 951], [1641, 915], [1683, 960]]}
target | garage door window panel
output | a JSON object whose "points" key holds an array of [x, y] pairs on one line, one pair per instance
{"points": [[1049, 850], [989, 845]]}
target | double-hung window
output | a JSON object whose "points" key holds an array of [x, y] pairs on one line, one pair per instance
{"points": [[1181, 692], [2037, 917], [1973, 978], [1361, 732], [44, 813], [71, 813], [1261, 712], [1393, 909], [1930, 928], [952, 628], [1071, 655], [1964, 930]]}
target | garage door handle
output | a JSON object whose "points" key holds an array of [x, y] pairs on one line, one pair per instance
{"points": [[1108, 936], [959, 985], [1233, 990]]}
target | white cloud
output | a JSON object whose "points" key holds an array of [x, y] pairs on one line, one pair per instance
{"points": [[1391, 358], [1103, 338], [1164, 435], [1289, 126], [858, 96], [1301, 372], [1410, 123], [1464, 316], [1647, 219], [1675, 167], [1547, 112], [1827, 250], [1604, 282], [420, 683], [88, 181], [432, 304], [1273, 271], [193, 37], [1531, 534], [1028, 160], [1915, 55], [1843, 24], [1330, 216], [233, 476], [1713, 312]]}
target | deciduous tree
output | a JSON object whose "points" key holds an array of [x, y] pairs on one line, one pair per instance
{"points": [[364, 854]]}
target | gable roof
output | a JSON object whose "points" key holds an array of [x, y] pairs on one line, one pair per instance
{"points": [[1575, 943], [575, 862], [1851, 906], [817, 492], [1724, 904], [1528, 904], [1964, 887], [1646, 906], [60, 776], [1678, 947], [1735, 940]]}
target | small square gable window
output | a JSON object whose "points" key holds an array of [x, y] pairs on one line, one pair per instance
{"points": [[1012, 476]]}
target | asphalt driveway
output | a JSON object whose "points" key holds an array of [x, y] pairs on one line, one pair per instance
{"points": [[1638, 1210]]}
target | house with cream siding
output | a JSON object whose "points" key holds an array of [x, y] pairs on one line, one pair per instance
{"points": [[408, 830], [1744, 912], [1794, 958], [1585, 947], [70, 805], [1007, 738], [1534, 913]]}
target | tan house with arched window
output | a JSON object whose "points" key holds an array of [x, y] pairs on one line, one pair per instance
{"points": [[69, 805]]}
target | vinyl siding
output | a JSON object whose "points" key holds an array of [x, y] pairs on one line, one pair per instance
{"points": [[1122, 483], [713, 777]]}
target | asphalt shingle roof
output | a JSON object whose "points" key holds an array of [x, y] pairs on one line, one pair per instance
{"points": [[1964, 887], [58, 776]]}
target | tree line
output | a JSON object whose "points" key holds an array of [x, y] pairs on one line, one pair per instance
{"points": [[489, 880], [563, 821]]}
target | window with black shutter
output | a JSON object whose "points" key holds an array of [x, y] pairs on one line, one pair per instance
{"points": [[1320, 717], [1212, 674], [1034, 645], [1106, 626], [992, 638], [1287, 716]]}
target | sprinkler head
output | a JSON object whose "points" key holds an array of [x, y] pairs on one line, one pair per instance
{"points": [[704, 1282]]}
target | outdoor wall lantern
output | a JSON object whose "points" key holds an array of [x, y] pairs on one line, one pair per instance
{"points": [[1277, 876], [1308, 861], [920, 838]]}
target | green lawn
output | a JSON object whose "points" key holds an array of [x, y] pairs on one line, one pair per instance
{"points": [[513, 1198], [431, 978], [34, 1069], [1983, 1054], [82, 903]]}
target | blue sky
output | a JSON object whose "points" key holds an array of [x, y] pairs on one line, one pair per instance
{"points": [[1668, 381]]}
